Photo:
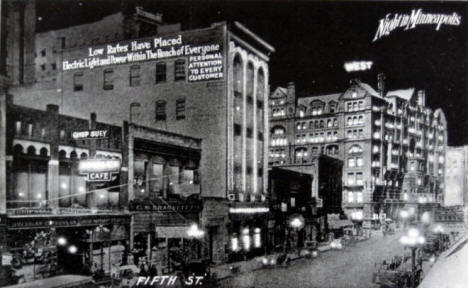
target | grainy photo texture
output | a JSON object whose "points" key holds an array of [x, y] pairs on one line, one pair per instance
{"points": [[250, 144]]}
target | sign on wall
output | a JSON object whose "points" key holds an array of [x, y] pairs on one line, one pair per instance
{"points": [[99, 170], [202, 49], [90, 134]]}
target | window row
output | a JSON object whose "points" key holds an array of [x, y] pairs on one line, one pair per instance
{"points": [[277, 154], [134, 75], [249, 132], [317, 137], [355, 134], [317, 124], [278, 112], [355, 178], [355, 120], [354, 106], [355, 197], [160, 110], [279, 141], [355, 162]]}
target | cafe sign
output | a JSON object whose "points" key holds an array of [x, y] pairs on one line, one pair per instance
{"points": [[99, 170]]}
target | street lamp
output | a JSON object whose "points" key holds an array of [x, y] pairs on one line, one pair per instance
{"points": [[296, 224], [62, 241], [72, 249], [413, 239], [194, 232]]}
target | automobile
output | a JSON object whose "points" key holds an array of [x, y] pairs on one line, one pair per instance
{"points": [[336, 244], [128, 275], [310, 249]]}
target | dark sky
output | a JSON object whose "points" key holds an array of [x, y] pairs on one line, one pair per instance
{"points": [[314, 39]]}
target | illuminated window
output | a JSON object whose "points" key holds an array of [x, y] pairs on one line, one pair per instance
{"points": [[160, 110], [78, 81], [179, 70], [160, 72], [351, 179], [30, 129], [359, 179], [350, 197], [18, 127], [135, 75], [108, 79], [359, 197], [359, 162], [351, 162], [180, 109]]}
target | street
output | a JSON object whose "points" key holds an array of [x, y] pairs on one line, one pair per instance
{"points": [[351, 267]]}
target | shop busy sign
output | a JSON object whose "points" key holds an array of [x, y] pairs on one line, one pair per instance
{"points": [[90, 134], [203, 50], [99, 170]]}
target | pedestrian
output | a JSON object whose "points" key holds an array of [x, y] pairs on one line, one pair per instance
{"points": [[153, 270]]}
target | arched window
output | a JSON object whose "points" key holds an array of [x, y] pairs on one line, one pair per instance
{"points": [[250, 82], [322, 124], [329, 123], [332, 150], [361, 119], [335, 122], [278, 130], [349, 121]]}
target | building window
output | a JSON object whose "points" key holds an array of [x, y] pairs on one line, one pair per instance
{"points": [[249, 132], [18, 128], [62, 134], [350, 178], [179, 70], [78, 81], [180, 109], [359, 162], [54, 66], [237, 129], [329, 123], [359, 179], [350, 197], [260, 136], [160, 110], [335, 122], [43, 52], [160, 72], [359, 197], [30, 129], [135, 76], [351, 162], [108, 79]]}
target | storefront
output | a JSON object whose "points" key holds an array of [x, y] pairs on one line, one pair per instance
{"points": [[45, 245], [248, 232]]}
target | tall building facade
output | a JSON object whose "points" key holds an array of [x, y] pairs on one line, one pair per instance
{"points": [[392, 145], [208, 85], [456, 178]]}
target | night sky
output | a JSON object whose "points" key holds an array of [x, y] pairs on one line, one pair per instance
{"points": [[314, 39]]}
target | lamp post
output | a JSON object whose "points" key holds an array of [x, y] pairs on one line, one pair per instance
{"points": [[413, 239], [296, 224]]}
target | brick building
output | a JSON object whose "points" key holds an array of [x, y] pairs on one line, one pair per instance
{"points": [[208, 84], [392, 145]]}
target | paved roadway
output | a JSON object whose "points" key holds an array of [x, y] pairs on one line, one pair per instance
{"points": [[351, 267]]}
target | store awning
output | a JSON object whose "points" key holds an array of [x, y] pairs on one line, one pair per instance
{"points": [[172, 231]]}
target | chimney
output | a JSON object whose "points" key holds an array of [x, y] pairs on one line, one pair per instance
{"points": [[291, 93], [381, 84], [421, 98]]}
